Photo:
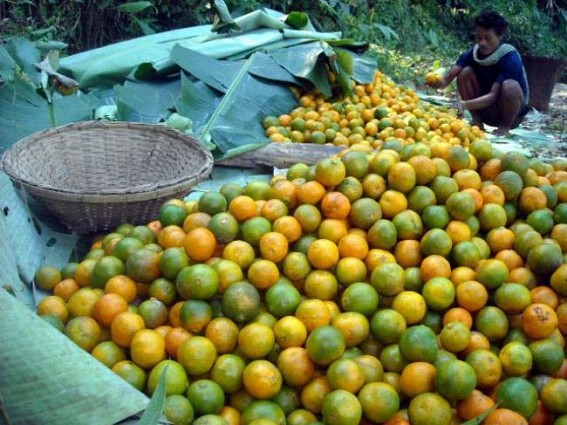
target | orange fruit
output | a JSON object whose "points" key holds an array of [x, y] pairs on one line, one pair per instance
{"points": [[195, 315], [197, 354], [411, 305], [131, 373], [169, 236], [429, 408], [354, 327], [504, 416], [273, 246], [435, 266], [455, 379], [263, 274], [194, 220], [519, 395], [439, 293], [256, 340], [261, 379], [330, 171], [323, 254], [200, 244], [487, 367], [539, 321], [143, 265], [242, 207], [296, 367], [212, 202], [553, 396], [325, 344], [108, 307], [147, 348], [289, 331], [345, 374], [417, 378], [47, 276], [341, 407], [547, 355], [54, 306], [474, 405], [455, 336], [262, 412], [516, 359], [175, 377], [83, 331], [124, 326], [82, 302], [173, 339], [418, 343], [240, 302], [66, 288], [123, 286], [227, 372], [492, 322], [379, 401], [321, 285]]}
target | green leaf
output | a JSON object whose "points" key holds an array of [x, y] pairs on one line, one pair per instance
{"points": [[155, 407], [23, 111], [298, 20], [134, 7], [197, 101], [306, 61], [109, 65], [8, 65], [237, 120], [346, 60], [25, 54], [46, 46], [388, 32], [45, 373], [218, 74], [147, 102]]}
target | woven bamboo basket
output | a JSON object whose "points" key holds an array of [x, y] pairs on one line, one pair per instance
{"points": [[94, 175]]}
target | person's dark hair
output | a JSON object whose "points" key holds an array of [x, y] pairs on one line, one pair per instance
{"points": [[490, 19]]}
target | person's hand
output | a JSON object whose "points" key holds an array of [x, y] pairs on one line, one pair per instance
{"points": [[459, 105], [435, 80]]}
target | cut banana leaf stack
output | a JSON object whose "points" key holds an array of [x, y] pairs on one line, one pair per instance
{"points": [[224, 77]]}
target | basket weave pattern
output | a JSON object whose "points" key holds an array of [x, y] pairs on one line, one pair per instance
{"points": [[95, 175]]}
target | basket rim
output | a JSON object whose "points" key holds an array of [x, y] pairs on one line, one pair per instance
{"points": [[139, 192]]}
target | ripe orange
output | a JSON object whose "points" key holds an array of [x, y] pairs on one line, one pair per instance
{"points": [[262, 379], [429, 408], [147, 348]]}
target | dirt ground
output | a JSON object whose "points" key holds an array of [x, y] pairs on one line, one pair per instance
{"points": [[552, 122]]}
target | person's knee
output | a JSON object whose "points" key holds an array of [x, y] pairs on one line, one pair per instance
{"points": [[511, 89], [466, 74]]}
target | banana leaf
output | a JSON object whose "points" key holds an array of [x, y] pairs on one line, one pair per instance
{"points": [[197, 101], [109, 65], [45, 378], [147, 102], [23, 111], [24, 54]]}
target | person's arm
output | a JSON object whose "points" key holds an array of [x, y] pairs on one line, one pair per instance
{"points": [[447, 78], [481, 102]]}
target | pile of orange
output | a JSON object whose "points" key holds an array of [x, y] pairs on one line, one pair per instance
{"points": [[379, 114], [415, 284], [419, 277]]}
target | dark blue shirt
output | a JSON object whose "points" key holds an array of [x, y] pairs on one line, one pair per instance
{"points": [[509, 67]]}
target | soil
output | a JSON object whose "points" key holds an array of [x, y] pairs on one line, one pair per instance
{"points": [[552, 122]]}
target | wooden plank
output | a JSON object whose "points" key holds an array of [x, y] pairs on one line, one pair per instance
{"points": [[281, 155]]}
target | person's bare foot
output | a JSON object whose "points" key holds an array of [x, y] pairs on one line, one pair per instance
{"points": [[480, 125], [502, 132]]}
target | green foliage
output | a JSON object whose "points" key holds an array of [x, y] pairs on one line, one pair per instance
{"points": [[405, 35]]}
